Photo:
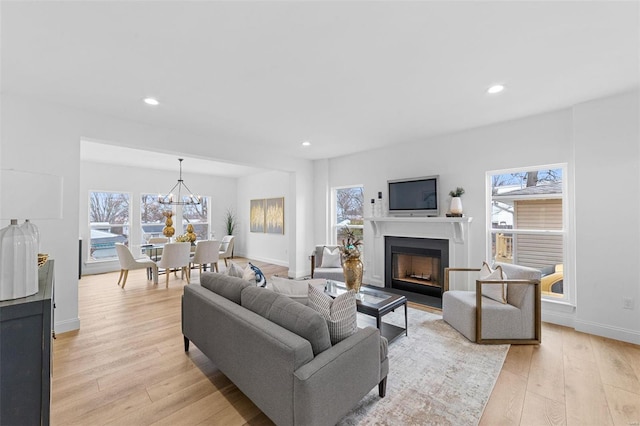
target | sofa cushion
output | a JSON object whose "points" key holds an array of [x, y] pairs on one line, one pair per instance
{"points": [[224, 285], [295, 289], [289, 314], [340, 313]]}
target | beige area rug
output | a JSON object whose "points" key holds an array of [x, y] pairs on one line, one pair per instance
{"points": [[436, 377]]}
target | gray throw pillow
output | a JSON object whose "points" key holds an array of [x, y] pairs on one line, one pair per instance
{"points": [[289, 314], [340, 313], [224, 285]]}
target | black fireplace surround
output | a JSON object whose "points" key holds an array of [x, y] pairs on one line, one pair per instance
{"points": [[430, 248]]}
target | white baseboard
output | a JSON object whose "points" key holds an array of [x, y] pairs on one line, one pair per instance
{"points": [[67, 325], [617, 333]]}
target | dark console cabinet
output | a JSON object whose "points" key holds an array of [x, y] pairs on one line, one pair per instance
{"points": [[25, 355]]}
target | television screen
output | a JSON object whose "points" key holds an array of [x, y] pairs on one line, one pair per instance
{"points": [[419, 195]]}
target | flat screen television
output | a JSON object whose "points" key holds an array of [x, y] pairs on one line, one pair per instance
{"points": [[414, 197]]}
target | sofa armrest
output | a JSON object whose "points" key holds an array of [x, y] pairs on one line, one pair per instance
{"points": [[330, 385]]}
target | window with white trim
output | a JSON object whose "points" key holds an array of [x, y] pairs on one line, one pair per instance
{"points": [[528, 211], [348, 213], [108, 223], [198, 216], [152, 220]]}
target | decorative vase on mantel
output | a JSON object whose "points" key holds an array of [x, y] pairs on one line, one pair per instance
{"points": [[352, 270], [456, 205]]}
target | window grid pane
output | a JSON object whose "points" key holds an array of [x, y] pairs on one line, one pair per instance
{"points": [[527, 223], [108, 223]]}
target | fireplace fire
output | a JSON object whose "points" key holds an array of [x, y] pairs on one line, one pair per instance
{"points": [[416, 264]]}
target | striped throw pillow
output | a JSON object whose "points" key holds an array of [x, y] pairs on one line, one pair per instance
{"points": [[340, 313]]}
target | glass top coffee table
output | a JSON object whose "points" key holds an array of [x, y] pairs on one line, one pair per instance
{"points": [[375, 302]]}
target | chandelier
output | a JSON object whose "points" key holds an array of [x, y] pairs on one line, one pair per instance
{"points": [[180, 200]]}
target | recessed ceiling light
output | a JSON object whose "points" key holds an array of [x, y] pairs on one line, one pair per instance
{"points": [[306, 143], [151, 101], [496, 88]]}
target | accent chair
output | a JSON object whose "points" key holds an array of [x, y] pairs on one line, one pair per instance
{"points": [[327, 266], [484, 320]]}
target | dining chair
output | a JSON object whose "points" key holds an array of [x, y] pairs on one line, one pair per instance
{"points": [[157, 251], [128, 262], [207, 251], [176, 256], [158, 240], [226, 248]]}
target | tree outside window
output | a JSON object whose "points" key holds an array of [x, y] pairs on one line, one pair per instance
{"points": [[349, 212], [151, 219], [109, 223], [198, 216]]}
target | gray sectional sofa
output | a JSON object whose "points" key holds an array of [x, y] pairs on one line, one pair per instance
{"points": [[277, 351]]}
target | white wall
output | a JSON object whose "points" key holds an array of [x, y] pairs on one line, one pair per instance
{"points": [[607, 171], [271, 248], [44, 137], [599, 142], [461, 159], [138, 180]]}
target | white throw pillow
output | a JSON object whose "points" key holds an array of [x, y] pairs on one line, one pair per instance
{"points": [[331, 258], [249, 274], [497, 292], [295, 289], [340, 313], [235, 271]]}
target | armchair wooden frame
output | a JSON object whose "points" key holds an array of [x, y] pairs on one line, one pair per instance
{"points": [[537, 339]]}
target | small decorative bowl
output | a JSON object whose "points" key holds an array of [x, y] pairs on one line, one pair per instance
{"points": [[42, 259]]}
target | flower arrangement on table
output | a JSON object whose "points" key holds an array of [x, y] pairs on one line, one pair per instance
{"points": [[184, 238], [350, 247]]}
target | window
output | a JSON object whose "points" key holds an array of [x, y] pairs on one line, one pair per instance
{"points": [[108, 222], [527, 228], [349, 212], [151, 219], [198, 216]]}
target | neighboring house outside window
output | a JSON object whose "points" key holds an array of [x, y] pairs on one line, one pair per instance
{"points": [[151, 219], [198, 216], [108, 223], [527, 228], [348, 212]]}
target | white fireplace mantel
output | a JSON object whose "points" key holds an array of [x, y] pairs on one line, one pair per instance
{"points": [[458, 224], [454, 229]]}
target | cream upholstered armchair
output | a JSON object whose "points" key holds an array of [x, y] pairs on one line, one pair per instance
{"points": [[326, 263], [485, 320]]}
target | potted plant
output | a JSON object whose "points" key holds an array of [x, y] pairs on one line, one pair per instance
{"points": [[230, 221], [230, 224], [456, 201]]}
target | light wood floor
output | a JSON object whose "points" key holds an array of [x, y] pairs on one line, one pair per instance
{"points": [[127, 366]]}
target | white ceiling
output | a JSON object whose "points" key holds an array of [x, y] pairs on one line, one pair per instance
{"points": [[348, 76], [112, 154]]}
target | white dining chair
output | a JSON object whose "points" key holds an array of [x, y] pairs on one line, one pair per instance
{"points": [[207, 251], [128, 262], [226, 248], [158, 240], [176, 256]]}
